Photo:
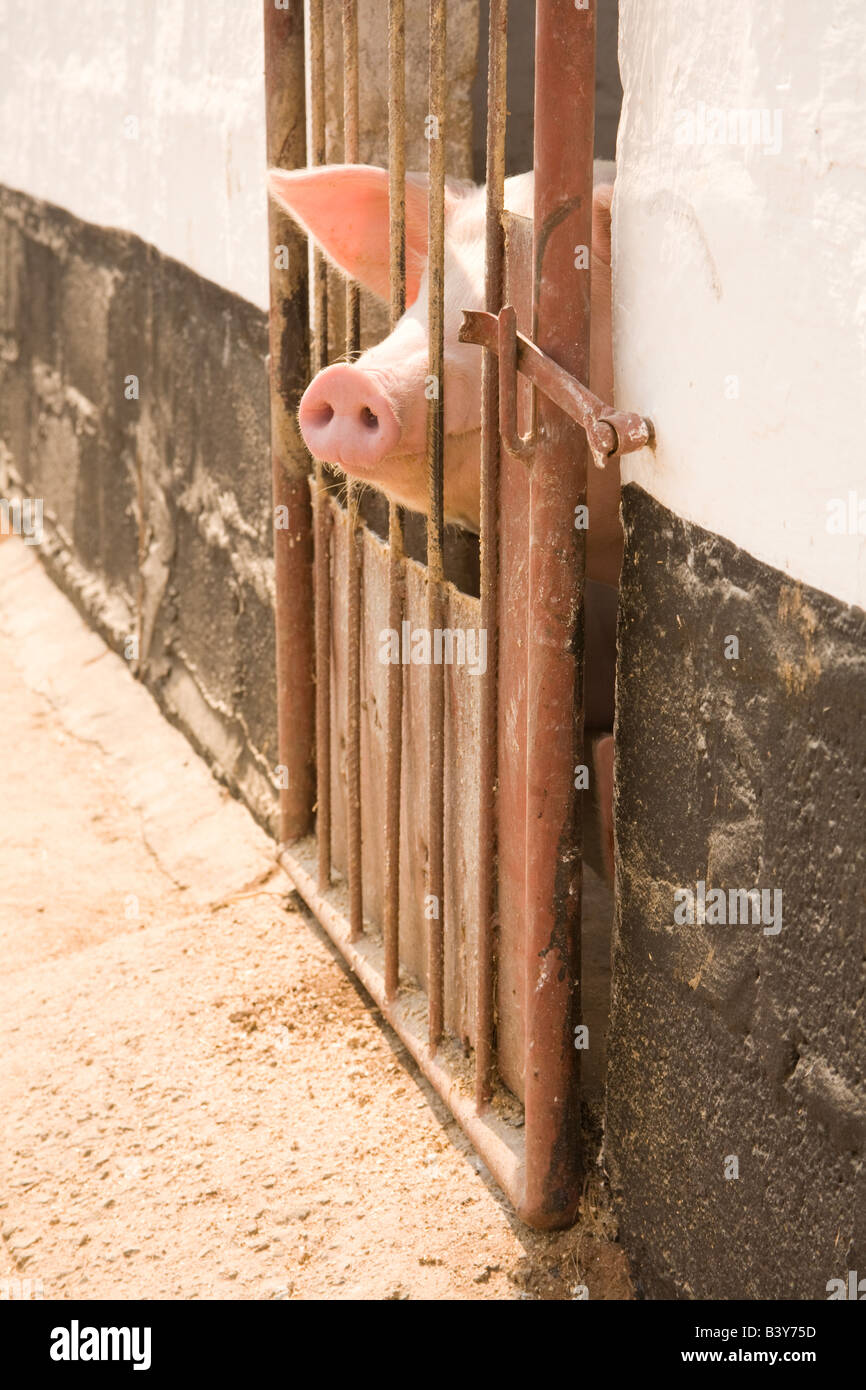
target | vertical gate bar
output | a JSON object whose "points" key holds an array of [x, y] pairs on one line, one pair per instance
{"points": [[318, 155], [353, 340], [350, 152], [394, 717], [494, 271], [435, 421], [319, 354], [293, 543], [564, 119]]}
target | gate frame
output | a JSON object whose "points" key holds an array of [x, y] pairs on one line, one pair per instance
{"points": [[541, 1167]]}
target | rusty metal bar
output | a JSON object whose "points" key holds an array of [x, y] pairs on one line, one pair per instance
{"points": [[353, 577], [318, 155], [351, 153], [322, 512], [293, 540], [494, 274], [564, 110], [507, 349], [435, 518], [608, 431], [394, 715]]}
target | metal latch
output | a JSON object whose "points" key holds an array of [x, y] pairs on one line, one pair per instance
{"points": [[608, 431]]}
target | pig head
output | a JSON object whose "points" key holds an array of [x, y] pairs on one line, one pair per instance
{"points": [[368, 417]]}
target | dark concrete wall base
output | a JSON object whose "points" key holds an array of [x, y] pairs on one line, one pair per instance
{"points": [[158, 505], [736, 1111]]}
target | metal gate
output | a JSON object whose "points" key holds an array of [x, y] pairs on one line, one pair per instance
{"points": [[461, 914]]}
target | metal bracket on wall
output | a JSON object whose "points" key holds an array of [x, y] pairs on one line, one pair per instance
{"points": [[608, 431]]}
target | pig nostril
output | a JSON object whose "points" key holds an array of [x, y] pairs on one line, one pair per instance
{"points": [[368, 419], [322, 415]]}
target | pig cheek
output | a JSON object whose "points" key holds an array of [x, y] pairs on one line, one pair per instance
{"points": [[462, 400], [414, 421], [405, 480], [463, 469]]}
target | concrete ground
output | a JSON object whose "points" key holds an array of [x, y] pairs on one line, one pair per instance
{"points": [[197, 1100]]}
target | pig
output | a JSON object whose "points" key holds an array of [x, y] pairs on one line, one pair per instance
{"points": [[368, 417]]}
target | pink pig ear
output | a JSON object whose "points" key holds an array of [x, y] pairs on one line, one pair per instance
{"points": [[344, 208]]}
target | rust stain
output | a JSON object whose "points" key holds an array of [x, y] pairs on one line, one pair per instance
{"points": [[794, 611]]}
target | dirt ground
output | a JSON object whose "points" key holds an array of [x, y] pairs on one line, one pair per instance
{"points": [[197, 1100]]}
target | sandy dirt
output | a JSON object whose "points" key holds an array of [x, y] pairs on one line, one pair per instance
{"points": [[197, 1099]]}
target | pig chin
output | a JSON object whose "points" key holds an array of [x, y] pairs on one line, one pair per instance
{"points": [[402, 478]]}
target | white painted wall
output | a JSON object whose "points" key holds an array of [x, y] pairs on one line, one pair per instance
{"points": [[740, 272], [190, 72]]}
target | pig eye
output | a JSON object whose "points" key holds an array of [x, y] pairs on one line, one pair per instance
{"points": [[368, 419]]}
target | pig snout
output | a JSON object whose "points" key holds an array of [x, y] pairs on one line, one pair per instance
{"points": [[346, 419]]}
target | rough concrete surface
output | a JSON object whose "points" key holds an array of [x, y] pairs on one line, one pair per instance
{"points": [[197, 1101], [731, 1041], [157, 504]]}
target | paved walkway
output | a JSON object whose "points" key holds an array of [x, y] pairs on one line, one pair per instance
{"points": [[196, 1101]]}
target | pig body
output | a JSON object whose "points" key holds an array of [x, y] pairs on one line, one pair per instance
{"points": [[368, 417]]}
